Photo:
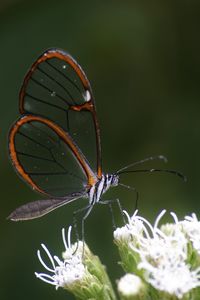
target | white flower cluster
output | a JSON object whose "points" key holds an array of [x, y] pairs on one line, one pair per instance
{"points": [[66, 271], [161, 262], [163, 251], [79, 271]]}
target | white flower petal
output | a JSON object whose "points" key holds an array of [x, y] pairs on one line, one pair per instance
{"points": [[67, 270], [130, 285]]}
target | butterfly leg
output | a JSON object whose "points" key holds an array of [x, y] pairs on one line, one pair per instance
{"points": [[88, 209], [134, 190], [110, 204]]}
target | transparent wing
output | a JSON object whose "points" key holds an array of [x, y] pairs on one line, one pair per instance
{"points": [[39, 208], [47, 158], [56, 88]]}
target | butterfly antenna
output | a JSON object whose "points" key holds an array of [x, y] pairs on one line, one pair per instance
{"points": [[140, 162], [177, 173]]}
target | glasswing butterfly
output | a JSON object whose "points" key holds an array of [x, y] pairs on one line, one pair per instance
{"points": [[55, 144]]}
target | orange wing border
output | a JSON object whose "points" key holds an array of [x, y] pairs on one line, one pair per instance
{"points": [[88, 105], [92, 179]]}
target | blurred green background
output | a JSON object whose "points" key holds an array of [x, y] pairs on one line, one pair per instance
{"points": [[143, 61]]}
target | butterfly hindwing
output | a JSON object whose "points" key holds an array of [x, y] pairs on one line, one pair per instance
{"points": [[47, 158]]}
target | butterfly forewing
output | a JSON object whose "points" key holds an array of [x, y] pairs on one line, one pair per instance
{"points": [[47, 158], [56, 88]]}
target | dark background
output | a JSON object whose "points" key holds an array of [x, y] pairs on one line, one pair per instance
{"points": [[143, 61]]}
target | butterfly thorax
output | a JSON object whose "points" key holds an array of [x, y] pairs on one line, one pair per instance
{"points": [[101, 186]]}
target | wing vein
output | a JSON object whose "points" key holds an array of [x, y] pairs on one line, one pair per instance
{"points": [[58, 83], [49, 90], [45, 102], [65, 76]]}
